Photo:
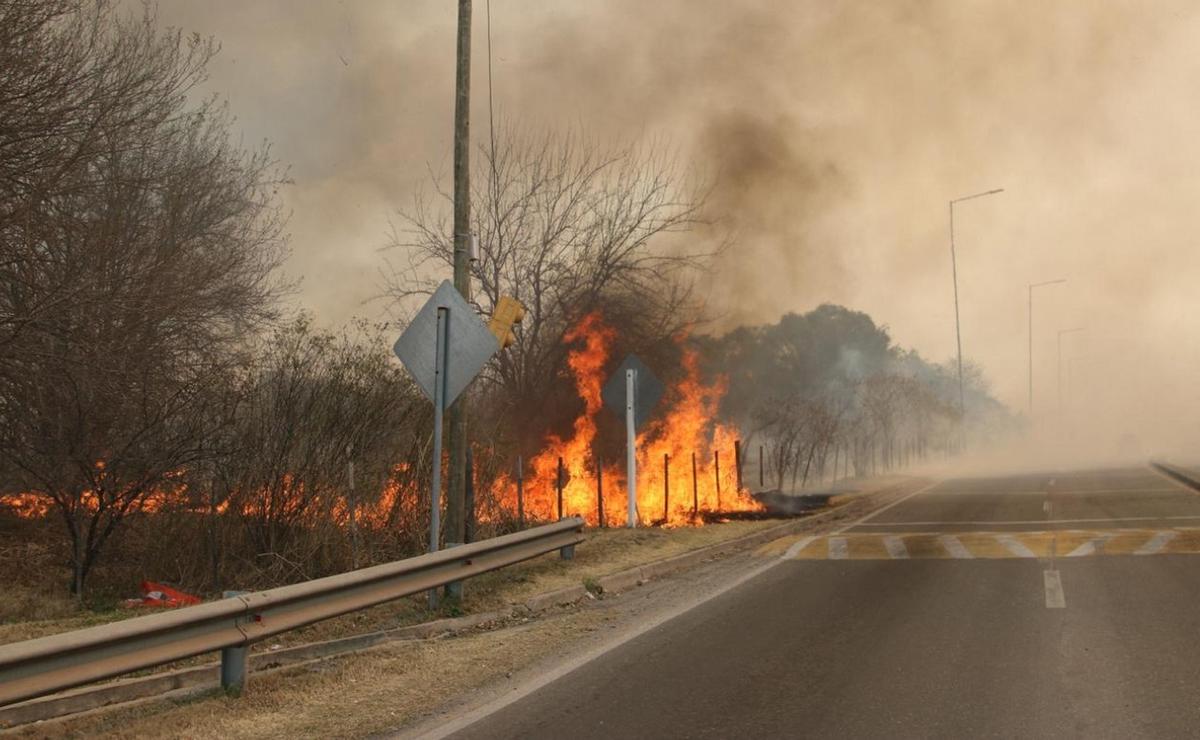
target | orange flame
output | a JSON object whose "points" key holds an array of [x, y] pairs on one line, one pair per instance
{"points": [[687, 427]]}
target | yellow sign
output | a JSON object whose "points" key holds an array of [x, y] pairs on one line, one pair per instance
{"points": [[508, 311]]}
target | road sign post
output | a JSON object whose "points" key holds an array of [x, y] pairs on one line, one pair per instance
{"points": [[444, 347], [632, 390], [439, 406], [631, 445]]}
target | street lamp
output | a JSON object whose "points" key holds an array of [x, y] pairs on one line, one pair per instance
{"points": [[1061, 332], [962, 403], [1031, 287]]}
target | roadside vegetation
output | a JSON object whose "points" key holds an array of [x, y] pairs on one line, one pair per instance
{"points": [[167, 415]]}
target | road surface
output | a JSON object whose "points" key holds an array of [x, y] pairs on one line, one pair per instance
{"points": [[1063, 605]]}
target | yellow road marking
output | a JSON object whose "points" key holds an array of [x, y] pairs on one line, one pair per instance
{"points": [[988, 545]]}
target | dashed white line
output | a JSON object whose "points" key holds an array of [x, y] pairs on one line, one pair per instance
{"points": [[1055, 599], [895, 547], [838, 549], [1015, 546], [1156, 543], [954, 547]]}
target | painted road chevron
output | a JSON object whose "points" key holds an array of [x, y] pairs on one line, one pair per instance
{"points": [[992, 545]]}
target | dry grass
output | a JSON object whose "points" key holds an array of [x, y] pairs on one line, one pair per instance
{"points": [[29, 611], [352, 696]]}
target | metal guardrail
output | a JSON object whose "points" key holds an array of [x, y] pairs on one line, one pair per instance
{"points": [[45, 665]]}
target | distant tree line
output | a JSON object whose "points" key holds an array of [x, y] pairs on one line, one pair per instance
{"points": [[828, 391]]}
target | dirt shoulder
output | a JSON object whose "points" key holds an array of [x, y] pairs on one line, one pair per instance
{"points": [[404, 683]]}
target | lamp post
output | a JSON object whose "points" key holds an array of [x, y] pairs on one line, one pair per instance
{"points": [[1031, 287], [1061, 332], [962, 403]]}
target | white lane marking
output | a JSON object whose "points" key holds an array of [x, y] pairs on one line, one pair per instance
{"points": [[1156, 543], [1015, 546], [1055, 599], [795, 549], [895, 547], [1090, 547], [838, 550], [1030, 521], [955, 547]]}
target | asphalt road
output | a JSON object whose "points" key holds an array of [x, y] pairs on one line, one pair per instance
{"points": [[1056, 605]]}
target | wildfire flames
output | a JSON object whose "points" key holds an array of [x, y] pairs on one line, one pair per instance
{"points": [[685, 426], [700, 473]]}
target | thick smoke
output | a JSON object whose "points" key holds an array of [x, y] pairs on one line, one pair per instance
{"points": [[836, 133]]}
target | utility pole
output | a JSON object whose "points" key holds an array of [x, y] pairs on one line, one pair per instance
{"points": [[1031, 287], [962, 398], [456, 490]]}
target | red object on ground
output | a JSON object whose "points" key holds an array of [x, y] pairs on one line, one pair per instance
{"points": [[161, 596]]}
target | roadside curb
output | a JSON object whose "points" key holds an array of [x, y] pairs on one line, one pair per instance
{"points": [[123, 691]]}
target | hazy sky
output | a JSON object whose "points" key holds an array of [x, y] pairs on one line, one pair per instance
{"points": [[840, 130]]}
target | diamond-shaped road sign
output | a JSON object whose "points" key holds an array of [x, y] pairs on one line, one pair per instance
{"points": [[471, 344], [646, 395]]}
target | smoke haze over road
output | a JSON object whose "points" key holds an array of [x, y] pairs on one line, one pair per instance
{"points": [[837, 132]]}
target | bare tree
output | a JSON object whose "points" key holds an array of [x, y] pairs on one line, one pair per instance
{"points": [[140, 246], [567, 225]]}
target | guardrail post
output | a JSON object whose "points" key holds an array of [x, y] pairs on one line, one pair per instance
{"points": [[234, 659], [454, 589], [568, 552], [233, 668]]}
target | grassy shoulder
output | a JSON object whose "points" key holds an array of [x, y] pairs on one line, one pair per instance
{"points": [[605, 551], [371, 692]]}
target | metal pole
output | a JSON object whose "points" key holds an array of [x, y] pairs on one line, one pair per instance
{"points": [[631, 447], [457, 485], [600, 491], [439, 396], [558, 482], [353, 501], [761, 468], [695, 488], [962, 402], [717, 472], [1031, 287], [737, 461], [233, 668], [520, 493], [666, 485], [469, 527]]}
